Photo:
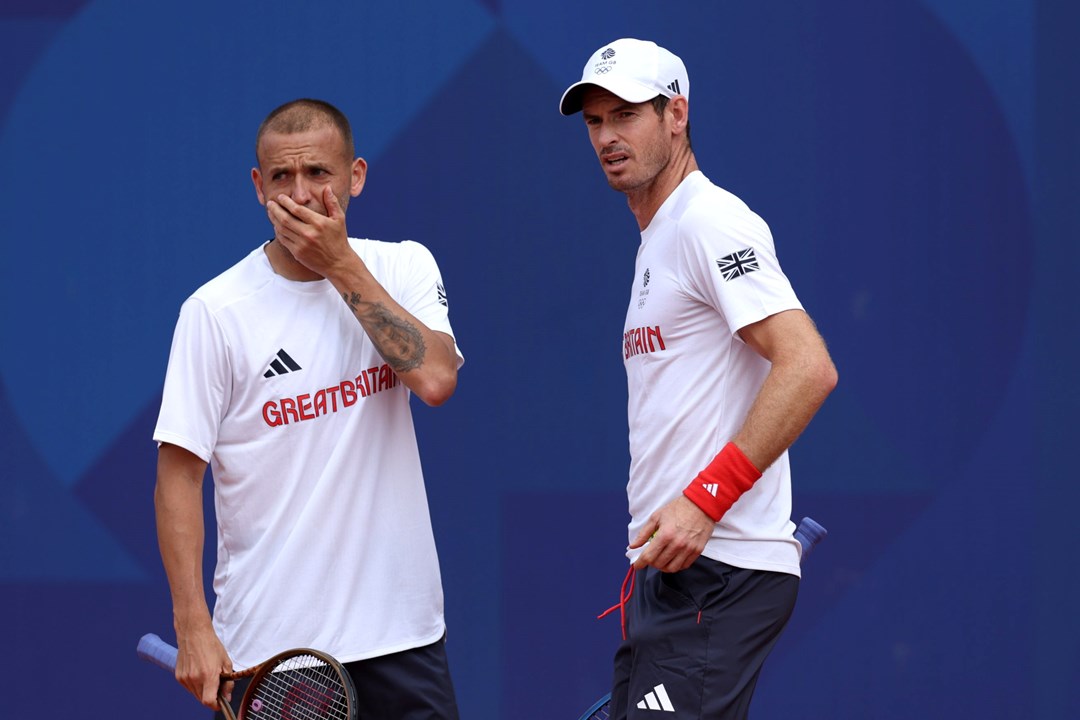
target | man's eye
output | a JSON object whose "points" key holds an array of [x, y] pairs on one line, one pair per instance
{"points": [[277, 176]]}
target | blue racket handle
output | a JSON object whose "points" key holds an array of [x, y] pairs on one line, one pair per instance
{"points": [[153, 649], [809, 533]]}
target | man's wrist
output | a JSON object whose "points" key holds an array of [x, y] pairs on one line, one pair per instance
{"points": [[717, 487]]}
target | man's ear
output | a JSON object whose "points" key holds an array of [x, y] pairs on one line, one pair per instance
{"points": [[679, 107], [256, 179], [359, 176]]}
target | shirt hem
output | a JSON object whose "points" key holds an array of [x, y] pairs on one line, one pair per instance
{"points": [[753, 563], [391, 649], [182, 442]]}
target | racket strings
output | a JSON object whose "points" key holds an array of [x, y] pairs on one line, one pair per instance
{"points": [[300, 688]]}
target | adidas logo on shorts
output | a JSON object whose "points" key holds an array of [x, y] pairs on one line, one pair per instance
{"points": [[657, 700]]}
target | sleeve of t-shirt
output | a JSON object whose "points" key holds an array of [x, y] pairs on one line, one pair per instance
{"points": [[197, 383], [730, 263], [424, 294]]}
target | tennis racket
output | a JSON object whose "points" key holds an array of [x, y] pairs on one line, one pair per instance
{"points": [[601, 709], [293, 685], [809, 533]]}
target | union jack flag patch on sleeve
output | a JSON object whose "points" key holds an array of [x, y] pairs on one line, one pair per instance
{"points": [[738, 264]]}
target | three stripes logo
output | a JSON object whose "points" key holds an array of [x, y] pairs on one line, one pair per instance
{"points": [[674, 87], [281, 365], [657, 700], [711, 488]]}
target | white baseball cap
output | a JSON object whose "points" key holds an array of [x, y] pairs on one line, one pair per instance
{"points": [[635, 70]]}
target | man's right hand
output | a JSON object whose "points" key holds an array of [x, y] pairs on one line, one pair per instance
{"points": [[676, 534], [200, 661]]}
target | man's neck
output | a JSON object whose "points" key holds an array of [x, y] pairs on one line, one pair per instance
{"points": [[645, 202], [285, 265]]}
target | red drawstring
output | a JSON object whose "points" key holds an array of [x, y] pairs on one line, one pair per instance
{"points": [[624, 597]]}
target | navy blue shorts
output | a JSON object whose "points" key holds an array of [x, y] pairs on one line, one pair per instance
{"points": [[409, 685], [696, 640]]}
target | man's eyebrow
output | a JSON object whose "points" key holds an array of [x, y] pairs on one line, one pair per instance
{"points": [[618, 108], [316, 166], [286, 168]]}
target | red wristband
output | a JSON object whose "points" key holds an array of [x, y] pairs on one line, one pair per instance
{"points": [[718, 486]]}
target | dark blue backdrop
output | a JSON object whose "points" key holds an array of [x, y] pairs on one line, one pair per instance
{"points": [[915, 160]]}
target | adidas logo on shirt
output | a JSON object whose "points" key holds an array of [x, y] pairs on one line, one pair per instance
{"points": [[657, 700], [281, 365]]}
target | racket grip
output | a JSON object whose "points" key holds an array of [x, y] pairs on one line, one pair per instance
{"points": [[153, 649], [809, 533]]}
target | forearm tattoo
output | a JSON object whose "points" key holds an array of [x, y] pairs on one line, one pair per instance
{"points": [[397, 340]]}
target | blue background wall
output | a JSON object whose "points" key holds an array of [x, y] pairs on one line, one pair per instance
{"points": [[917, 162]]}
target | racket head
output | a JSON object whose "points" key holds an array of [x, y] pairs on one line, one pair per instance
{"points": [[300, 683], [600, 710]]}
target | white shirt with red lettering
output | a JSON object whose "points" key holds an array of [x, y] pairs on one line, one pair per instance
{"points": [[324, 536], [706, 267]]}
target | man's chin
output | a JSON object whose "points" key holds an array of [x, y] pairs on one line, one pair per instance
{"points": [[621, 183], [277, 246]]}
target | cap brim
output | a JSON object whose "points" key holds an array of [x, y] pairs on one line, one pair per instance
{"points": [[628, 90]]}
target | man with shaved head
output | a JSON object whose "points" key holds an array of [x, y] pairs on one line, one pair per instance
{"points": [[290, 376]]}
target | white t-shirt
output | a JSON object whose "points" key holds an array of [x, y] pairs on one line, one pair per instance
{"points": [[706, 268], [324, 537]]}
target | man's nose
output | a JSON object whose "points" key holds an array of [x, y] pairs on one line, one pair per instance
{"points": [[301, 191], [606, 135]]}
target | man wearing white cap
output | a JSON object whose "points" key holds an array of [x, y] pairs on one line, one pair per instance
{"points": [[724, 370]]}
